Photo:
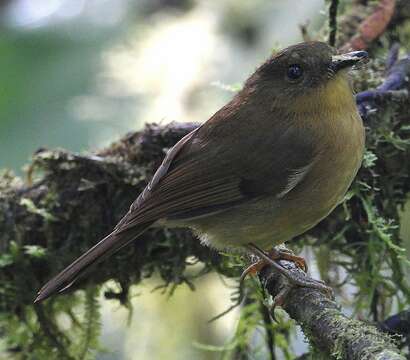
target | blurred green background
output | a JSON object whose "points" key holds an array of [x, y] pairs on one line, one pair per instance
{"points": [[78, 74]]}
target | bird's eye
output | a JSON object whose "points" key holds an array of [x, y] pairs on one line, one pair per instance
{"points": [[295, 71]]}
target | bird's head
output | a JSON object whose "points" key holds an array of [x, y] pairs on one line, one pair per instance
{"points": [[303, 73]]}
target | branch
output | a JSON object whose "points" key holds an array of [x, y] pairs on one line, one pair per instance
{"points": [[333, 22], [397, 324], [394, 88], [326, 327]]}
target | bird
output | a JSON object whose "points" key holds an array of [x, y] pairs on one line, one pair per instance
{"points": [[268, 166]]}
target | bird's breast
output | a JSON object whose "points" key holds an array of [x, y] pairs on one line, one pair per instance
{"points": [[340, 153]]}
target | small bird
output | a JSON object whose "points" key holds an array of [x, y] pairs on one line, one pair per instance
{"points": [[269, 165]]}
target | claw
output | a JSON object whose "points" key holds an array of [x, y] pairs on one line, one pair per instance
{"points": [[279, 300], [274, 254], [298, 260], [295, 278]]}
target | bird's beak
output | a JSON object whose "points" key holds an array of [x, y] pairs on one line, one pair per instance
{"points": [[347, 60]]}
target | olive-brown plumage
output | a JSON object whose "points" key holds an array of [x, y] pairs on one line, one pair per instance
{"points": [[266, 167]]}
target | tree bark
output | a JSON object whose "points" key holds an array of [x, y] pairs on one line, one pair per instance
{"points": [[327, 328]]}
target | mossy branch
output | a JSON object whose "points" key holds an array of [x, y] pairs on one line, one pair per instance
{"points": [[76, 200], [327, 328]]}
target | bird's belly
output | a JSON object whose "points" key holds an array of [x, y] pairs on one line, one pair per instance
{"points": [[265, 223]]}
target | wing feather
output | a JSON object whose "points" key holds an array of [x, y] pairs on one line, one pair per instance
{"points": [[201, 175]]}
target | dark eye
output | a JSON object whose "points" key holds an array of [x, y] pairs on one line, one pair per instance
{"points": [[295, 71]]}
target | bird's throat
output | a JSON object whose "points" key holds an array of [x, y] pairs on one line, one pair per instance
{"points": [[334, 97]]}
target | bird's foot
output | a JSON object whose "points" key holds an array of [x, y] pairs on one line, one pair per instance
{"points": [[274, 255], [295, 278]]}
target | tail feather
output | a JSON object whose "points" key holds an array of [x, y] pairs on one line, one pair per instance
{"points": [[106, 247]]}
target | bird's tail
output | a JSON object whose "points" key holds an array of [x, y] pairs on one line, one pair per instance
{"points": [[106, 247]]}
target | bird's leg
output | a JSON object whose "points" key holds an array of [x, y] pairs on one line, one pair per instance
{"points": [[295, 278], [274, 254]]}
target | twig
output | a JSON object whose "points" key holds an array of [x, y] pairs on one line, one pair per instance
{"points": [[392, 56], [394, 87], [377, 95], [371, 27], [304, 32], [397, 324], [333, 21], [270, 338]]}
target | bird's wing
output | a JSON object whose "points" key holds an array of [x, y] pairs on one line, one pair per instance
{"points": [[203, 174]]}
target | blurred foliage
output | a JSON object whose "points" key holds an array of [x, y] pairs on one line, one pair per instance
{"points": [[36, 335], [33, 100], [45, 67]]}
